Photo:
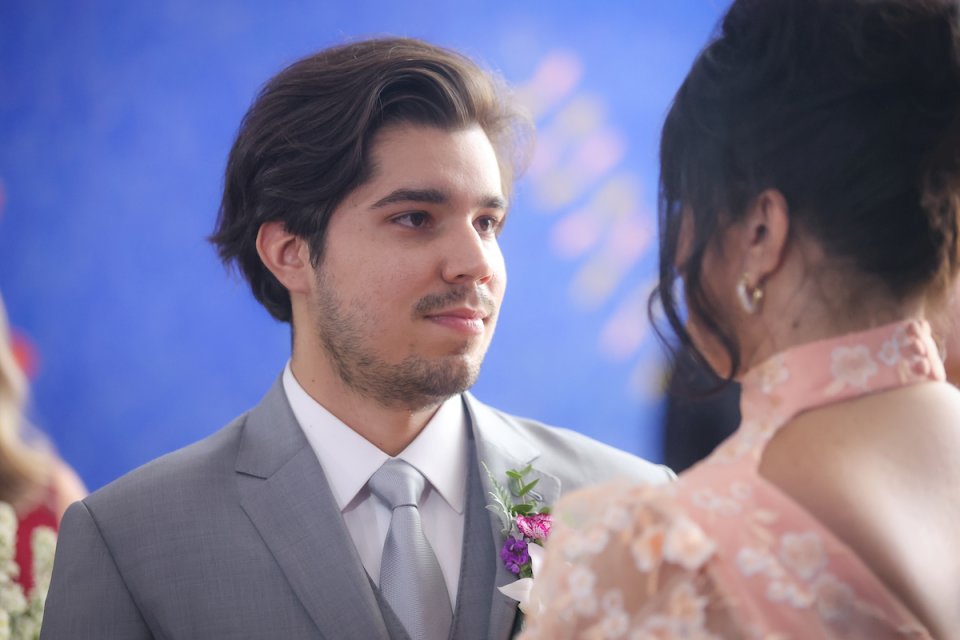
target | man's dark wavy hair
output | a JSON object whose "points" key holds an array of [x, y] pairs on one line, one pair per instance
{"points": [[305, 142]]}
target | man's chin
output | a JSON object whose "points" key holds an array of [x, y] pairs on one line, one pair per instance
{"points": [[472, 348], [420, 383], [450, 378]]}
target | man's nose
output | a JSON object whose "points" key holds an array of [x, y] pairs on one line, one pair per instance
{"points": [[470, 257]]}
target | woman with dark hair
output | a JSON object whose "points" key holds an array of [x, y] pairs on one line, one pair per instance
{"points": [[810, 190]]}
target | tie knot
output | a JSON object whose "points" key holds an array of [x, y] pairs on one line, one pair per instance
{"points": [[397, 484]]}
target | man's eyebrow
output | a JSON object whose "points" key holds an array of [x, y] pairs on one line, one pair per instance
{"points": [[433, 196], [494, 202], [430, 196]]}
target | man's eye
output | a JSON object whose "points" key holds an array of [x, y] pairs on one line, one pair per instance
{"points": [[488, 224], [413, 220]]}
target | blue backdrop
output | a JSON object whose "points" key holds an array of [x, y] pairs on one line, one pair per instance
{"points": [[115, 121]]}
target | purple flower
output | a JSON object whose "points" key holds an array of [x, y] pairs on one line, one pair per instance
{"points": [[514, 554], [536, 526]]}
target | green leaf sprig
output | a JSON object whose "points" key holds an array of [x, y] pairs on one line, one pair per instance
{"points": [[518, 498]]}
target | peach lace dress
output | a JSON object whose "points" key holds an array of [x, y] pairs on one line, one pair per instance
{"points": [[722, 553]]}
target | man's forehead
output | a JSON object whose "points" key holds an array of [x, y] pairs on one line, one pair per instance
{"points": [[410, 162], [422, 140]]}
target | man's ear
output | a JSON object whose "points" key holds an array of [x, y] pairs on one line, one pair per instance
{"points": [[767, 227], [286, 256]]}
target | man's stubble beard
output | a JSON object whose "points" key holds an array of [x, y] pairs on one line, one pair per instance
{"points": [[415, 382]]}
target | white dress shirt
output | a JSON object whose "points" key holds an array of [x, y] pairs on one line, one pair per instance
{"points": [[439, 452]]}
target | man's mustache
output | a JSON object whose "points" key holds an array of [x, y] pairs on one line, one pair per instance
{"points": [[476, 298]]}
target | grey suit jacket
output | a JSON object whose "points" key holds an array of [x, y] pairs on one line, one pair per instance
{"points": [[239, 536]]}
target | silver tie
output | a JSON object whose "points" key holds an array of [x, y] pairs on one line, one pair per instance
{"points": [[410, 576]]}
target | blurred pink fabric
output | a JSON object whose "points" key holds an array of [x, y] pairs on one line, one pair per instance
{"points": [[723, 553]]}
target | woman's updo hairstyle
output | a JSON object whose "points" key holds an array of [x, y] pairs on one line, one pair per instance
{"points": [[850, 109]]}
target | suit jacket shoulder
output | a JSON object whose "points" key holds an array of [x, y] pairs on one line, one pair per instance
{"points": [[211, 459], [234, 536], [576, 459]]}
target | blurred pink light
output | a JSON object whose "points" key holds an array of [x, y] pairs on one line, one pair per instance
{"points": [[599, 153], [575, 234], [629, 239], [626, 330], [557, 75]]}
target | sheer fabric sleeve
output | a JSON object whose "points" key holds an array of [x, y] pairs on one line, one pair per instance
{"points": [[624, 562]]}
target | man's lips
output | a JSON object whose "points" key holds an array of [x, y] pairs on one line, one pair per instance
{"points": [[462, 319]]}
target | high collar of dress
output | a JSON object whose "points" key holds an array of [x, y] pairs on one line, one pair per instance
{"points": [[839, 368]]}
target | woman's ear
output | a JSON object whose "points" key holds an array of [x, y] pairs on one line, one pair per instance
{"points": [[767, 227], [286, 255]]}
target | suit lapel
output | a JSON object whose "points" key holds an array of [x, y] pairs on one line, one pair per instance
{"points": [[477, 571], [285, 494], [502, 446]]}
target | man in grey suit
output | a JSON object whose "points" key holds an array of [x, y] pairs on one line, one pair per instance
{"points": [[363, 200]]}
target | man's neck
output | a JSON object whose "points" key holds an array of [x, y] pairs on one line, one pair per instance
{"points": [[389, 428]]}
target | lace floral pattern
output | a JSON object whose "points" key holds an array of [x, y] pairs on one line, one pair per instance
{"points": [[721, 553]]}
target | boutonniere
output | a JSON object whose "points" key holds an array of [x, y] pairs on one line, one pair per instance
{"points": [[525, 524]]}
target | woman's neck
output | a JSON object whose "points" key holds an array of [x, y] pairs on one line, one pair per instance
{"points": [[811, 310]]}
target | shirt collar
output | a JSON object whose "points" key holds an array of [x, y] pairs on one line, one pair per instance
{"points": [[439, 452]]}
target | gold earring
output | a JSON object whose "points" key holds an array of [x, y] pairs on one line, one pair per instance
{"points": [[750, 297]]}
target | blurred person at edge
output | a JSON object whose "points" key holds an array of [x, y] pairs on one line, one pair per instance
{"points": [[363, 201], [951, 345], [810, 185], [33, 479]]}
